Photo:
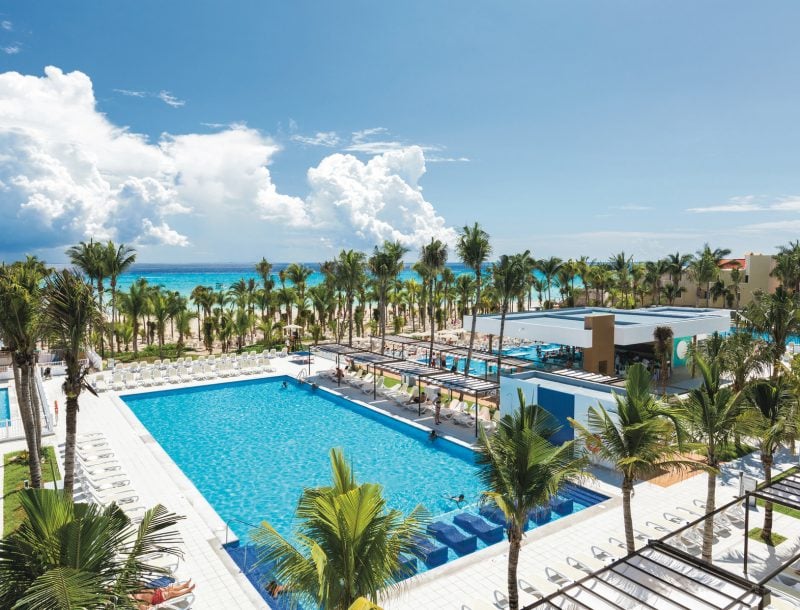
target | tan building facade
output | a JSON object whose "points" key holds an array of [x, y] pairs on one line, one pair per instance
{"points": [[755, 276]]}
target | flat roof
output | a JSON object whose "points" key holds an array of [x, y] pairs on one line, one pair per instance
{"points": [[631, 326]]}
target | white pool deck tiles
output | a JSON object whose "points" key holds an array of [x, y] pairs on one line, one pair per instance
{"points": [[469, 583]]}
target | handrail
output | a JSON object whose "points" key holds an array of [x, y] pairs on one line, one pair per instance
{"points": [[43, 403]]}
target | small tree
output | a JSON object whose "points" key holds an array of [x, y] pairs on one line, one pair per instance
{"points": [[663, 351]]}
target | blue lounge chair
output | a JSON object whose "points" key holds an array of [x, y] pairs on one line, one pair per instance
{"points": [[453, 537], [492, 513], [561, 506], [432, 553], [473, 524], [540, 515], [408, 566]]}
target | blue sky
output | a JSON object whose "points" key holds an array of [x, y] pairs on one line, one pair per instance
{"points": [[567, 128]]}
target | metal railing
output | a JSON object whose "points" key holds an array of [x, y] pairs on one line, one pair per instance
{"points": [[49, 428]]}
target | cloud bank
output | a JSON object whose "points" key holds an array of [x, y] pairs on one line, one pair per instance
{"points": [[67, 173]]}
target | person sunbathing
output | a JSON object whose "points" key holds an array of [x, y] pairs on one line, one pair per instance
{"points": [[153, 597]]}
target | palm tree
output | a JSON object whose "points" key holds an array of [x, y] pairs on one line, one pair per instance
{"points": [[160, 310], [20, 328], [672, 292], [787, 266], [677, 265], [656, 270], [620, 263], [712, 414], [744, 356], [508, 281], [639, 439], [521, 470], [474, 249], [433, 257], [69, 311], [75, 555], [705, 267], [549, 268], [349, 542], [776, 315], [136, 304], [773, 423], [117, 260], [662, 347], [385, 264], [91, 259], [349, 277]]}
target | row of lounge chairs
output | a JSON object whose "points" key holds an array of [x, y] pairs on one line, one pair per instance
{"points": [[212, 368], [189, 360], [457, 411], [101, 479]]}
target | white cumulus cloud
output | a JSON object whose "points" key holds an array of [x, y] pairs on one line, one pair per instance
{"points": [[67, 173]]}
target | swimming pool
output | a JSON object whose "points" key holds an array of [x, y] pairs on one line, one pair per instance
{"points": [[250, 447], [526, 352], [5, 405]]}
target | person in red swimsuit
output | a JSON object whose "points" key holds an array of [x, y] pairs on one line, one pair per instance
{"points": [[153, 597]]}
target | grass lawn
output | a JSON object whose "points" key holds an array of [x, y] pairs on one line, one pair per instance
{"points": [[755, 534], [15, 472]]}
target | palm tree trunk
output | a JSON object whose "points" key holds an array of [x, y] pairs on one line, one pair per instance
{"points": [[474, 320], [36, 411], [69, 446], [708, 527], [382, 305], [350, 321], [766, 531], [627, 489], [21, 380], [515, 541], [433, 325], [499, 344]]}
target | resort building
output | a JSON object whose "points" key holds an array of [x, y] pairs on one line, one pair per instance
{"points": [[754, 276]]}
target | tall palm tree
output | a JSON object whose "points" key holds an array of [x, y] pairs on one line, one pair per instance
{"points": [[776, 315], [640, 439], [90, 258], [508, 281], [136, 304], [75, 555], [20, 328], [160, 310], [705, 267], [116, 260], [773, 423], [522, 470], [549, 268], [349, 542], [385, 264], [677, 265], [349, 277], [621, 264], [473, 248], [298, 274], [787, 266], [713, 416], [69, 312], [433, 257], [656, 270]]}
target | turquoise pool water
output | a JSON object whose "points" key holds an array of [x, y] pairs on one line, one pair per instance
{"points": [[5, 405], [526, 352], [251, 447]]}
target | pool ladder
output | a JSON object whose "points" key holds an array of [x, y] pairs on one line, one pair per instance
{"points": [[301, 376]]}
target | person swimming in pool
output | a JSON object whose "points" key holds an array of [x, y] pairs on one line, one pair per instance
{"points": [[284, 385], [432, 436], [459, 499]]}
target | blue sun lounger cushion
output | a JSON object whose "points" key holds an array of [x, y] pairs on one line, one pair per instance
{"points": [[488, 532], [492, 513], [408, 565], [561, 505], [432, 553], [453, 537], [540, 515]]}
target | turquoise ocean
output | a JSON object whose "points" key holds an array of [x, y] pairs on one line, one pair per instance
{"points": [[220, 276]]}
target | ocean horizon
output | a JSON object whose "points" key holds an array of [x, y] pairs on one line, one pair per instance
{"points": [[184, 277]]}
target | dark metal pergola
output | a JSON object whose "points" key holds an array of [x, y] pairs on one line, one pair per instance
{"points": [[658, 577], [465, 384]]}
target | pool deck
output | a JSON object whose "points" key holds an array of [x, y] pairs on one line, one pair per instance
{"points": [[469, 580]]}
